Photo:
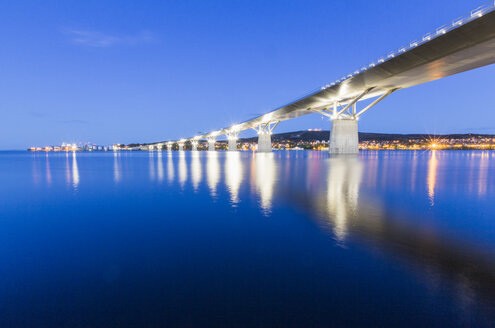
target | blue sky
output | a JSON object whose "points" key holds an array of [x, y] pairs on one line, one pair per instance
{"points": [[140, 71]]}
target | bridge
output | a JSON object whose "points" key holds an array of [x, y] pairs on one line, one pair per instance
{"points": [[464, 44]]}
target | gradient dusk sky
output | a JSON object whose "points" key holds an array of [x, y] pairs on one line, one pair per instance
{"points": [[142, 71]]}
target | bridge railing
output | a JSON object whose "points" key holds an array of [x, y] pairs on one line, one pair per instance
{"points": [[472, 15]]}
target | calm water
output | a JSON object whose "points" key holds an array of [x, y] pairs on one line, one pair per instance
{"points": [[241, 239]]}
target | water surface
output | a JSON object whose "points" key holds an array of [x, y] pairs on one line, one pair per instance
{"points": [[196, 239]]}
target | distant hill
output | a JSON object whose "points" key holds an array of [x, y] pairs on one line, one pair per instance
{"points": [[363, 136]]}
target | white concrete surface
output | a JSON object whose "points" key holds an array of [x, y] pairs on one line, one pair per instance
{"points": [[344, 137], [264, 142], [232, 145]]}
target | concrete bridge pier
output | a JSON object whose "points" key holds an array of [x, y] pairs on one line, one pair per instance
{"points": [[344, 136], [211, 143], [265, 136], [194, 144], [232, 138], [232, 145], [264, 142]]}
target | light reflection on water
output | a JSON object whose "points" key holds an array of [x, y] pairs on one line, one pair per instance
{"points": [[48, 172], [159, 166], [68, 176], [341, 179], [170, 167], [75, 171], [432, 176], [195, 169], [117, 174], [428, 211], [151, 162], [344, 178], [233, 174], [182, 168], [212, 172], [266, 174], [483, 173]]}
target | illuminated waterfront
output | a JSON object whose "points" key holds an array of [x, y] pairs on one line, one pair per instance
{"points": [[396, 238], [385, 142]]}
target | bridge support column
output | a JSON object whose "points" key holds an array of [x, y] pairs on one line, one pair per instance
{"points": [[265, 136], [264, 142], [194, 144], [232, 145], [211, 143], [344, 136], [232, 138]]}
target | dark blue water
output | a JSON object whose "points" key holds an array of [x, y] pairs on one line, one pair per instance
{"points": [[247, 240]]}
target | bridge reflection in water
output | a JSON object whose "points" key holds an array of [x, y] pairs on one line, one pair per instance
{"points": [[195, 169], [265, 175], [159, 166], [233, 174], [170, 167], [344, 178], [352, 198], [182, 169], [212, 172], [420, 209], [151, 163], [352, 210]]}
